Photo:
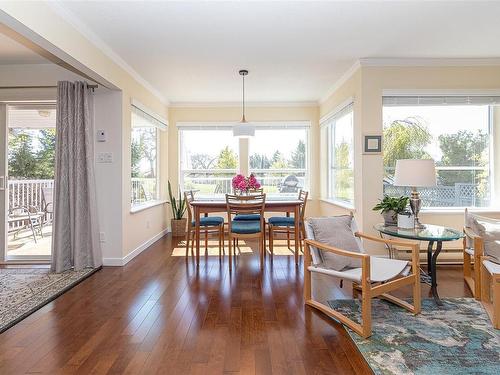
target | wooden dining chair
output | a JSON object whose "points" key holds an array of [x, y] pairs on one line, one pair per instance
{"points": [[209, 224], [250, 217], [286, 224], [246, 229]]}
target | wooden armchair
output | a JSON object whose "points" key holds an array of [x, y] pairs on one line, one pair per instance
{"points": [[490, 289], [473, 250], [375, 278]]}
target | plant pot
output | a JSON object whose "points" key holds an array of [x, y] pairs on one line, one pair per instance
{"points": [[178, 227], [390, 218]]}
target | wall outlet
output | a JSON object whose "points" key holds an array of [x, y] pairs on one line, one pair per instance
{"points": [[102, 237], [105, 157]]}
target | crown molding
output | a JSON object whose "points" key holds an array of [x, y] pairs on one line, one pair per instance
{"points": [[238, 104], [83, 29], [343, 79], [429, 62]]}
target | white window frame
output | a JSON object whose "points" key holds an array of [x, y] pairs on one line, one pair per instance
{"points": [[329, 122], [422, 97], [160, 124], [203, 126], [276, 125]]}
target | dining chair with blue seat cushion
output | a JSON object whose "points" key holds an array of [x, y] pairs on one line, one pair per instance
{"points": [[208, 224], [209, 221], [249, 217], [246, 229], [286, 224]]}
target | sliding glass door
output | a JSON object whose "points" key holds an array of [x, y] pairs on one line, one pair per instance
{"points": [[26, 180]]}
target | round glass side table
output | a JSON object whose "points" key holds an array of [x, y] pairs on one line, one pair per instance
{"points": [[432, 234]]}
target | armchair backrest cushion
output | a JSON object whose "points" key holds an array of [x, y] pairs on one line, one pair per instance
{"points": [[336, 231], [489, 230]]}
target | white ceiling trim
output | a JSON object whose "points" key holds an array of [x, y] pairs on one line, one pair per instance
{"points": [[83, 29], [345, 77], [429, 62]]}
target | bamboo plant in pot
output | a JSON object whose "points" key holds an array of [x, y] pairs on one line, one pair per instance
{"points": [[390, 207], [178, 205]]}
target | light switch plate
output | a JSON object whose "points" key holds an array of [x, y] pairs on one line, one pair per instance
{"points": [[101, 135], [105, 157]]}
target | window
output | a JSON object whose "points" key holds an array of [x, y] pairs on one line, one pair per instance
{"points": [[340, 130], [278, 158], [208, 158], [454, 131], [144, 156]]}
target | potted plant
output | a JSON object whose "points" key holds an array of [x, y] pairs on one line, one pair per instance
{"points": [[178, 205], [390, 207], [406, 219]]}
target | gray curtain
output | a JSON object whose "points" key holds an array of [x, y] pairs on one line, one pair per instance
{"points": [[75, 242]]}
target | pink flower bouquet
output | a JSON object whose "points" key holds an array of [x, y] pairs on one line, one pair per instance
{"points": [[243, 184]]}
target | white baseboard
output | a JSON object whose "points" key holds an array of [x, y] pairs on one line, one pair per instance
{"points": [[118, 262]]}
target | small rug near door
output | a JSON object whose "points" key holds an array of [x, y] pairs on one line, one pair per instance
{"points": [[457, 338], [25, 290]]}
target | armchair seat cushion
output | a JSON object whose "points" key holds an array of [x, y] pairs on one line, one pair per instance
{"points": [[245, 226], [210, 221], [381, 269], [336, 231], [281, 221], [247, 217]]}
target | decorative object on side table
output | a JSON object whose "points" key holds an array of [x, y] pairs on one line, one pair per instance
{"points": [[406, 220], [178, 205], [242, 184], [415, 173], [390, 207]]}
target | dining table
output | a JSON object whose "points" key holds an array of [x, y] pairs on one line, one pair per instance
{"points": [[206, 206]]}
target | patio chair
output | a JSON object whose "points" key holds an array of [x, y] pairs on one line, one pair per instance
{"points": [[334, 248], [208, 224], [47, 202], [246, 229], [286, 224], [28, 217]]}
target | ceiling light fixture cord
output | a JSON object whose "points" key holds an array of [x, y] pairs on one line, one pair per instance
{"points": [[243, 119]]}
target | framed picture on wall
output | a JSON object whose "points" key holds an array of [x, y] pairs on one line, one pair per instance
{"points": [[372, 144]]}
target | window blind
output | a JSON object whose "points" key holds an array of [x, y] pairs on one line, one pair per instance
{"points": [[338, 114], [258, 125], [394, 101], [142, 119]]}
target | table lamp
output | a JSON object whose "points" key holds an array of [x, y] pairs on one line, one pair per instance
{"points": [[415, 173]]}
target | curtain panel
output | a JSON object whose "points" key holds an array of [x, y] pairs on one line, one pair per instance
{"points": [[75, 237]]}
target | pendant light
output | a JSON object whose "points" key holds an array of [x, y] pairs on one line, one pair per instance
{"points": [[243, 129]]}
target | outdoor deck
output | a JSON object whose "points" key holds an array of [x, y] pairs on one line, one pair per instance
{"points": [[23, 245]]}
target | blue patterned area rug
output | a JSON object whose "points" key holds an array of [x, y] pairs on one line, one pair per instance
{"points": [[457, 338], [25, 290]]}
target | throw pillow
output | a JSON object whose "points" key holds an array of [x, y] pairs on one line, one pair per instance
{"points": [[336, 231]]}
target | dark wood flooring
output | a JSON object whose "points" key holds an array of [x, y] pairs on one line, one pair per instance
{"points": [[160, 314]]}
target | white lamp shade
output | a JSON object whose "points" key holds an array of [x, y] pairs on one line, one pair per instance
{"points": [[415, 173], [243, 130]]}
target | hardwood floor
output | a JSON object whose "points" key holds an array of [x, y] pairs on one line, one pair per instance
{"points": [[159, 314]]}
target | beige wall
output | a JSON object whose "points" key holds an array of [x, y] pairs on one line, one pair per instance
{"points": [[367, 86], [230, 114], [42, 25]]}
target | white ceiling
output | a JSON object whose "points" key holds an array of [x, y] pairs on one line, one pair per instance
{"points": [[295, 51], [14, 53]]}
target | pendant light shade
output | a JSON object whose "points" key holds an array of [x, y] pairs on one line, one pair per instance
{"points": [[243, 129]]}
